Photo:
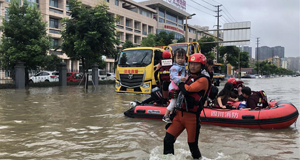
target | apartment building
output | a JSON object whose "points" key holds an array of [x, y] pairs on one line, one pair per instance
{"points": [[134, 22]]}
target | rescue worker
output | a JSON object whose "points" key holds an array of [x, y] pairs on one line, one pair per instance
{"points": [[188, 115], [162, 76], [237, 89]]}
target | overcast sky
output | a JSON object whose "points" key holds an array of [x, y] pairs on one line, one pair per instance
{"points": [[275, 22]]}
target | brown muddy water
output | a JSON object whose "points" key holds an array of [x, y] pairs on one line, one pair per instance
{"points": [[67, 123]]}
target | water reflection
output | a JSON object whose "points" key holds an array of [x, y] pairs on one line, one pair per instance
{"points": [[66, 123]]}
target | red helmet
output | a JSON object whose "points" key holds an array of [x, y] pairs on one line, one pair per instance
{"points": [[198, 58], [231, 80], [166, 54]]}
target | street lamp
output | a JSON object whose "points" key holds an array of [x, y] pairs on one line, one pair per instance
{"points": [[186, 30]]}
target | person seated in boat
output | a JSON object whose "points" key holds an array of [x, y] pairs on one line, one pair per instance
{"points": [[254, 100], [224, 96], [178, 73], [237, 89], [162, 75]]}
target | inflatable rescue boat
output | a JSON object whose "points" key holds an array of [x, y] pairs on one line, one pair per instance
{"points": [[280, 114]]}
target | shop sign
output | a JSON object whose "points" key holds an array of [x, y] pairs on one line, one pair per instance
{"points": [[174, 28], [178, 3]]}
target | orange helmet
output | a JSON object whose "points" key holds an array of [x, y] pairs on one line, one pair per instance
{"points": [[231, 80], [198, 58], [166, 54]]}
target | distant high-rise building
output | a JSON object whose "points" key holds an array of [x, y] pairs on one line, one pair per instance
{"points": [[278, 51], [247, 49], [265, 52]]}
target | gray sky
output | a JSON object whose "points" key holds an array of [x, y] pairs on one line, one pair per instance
{"points": [[276, 22]]}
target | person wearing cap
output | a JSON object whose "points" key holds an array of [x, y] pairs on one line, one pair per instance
{"points": [[164, 76], [236, 93], [195, 90]]}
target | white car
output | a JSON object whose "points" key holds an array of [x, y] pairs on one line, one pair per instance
{"points": [[45, 76]]}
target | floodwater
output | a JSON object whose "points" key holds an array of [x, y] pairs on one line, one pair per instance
{"points": [[67, 123]]}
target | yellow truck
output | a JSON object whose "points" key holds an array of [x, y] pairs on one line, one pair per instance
{"points": [[135, 66], [135, 69], [189, 47]]}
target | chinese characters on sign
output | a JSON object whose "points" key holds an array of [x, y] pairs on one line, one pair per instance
{"points": [[224, 114], [178, 3]]}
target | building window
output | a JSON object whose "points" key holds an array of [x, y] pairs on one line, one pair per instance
{"points": [[172, 23], [180, 20], [53, 23], [33, 2], [161, 12], [171, 17], [7, 0], [107, 1], [53, 3], [145, 13], [6, 14], [55, 43], [161, 20], [67, 6], [117, 2]]}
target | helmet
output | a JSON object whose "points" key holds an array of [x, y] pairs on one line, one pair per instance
{"points": [[231, 80], [166, 54], [198, 58]]}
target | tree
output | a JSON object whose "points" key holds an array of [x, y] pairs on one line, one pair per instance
{"points": [[89, 33], [206, 48], [232, 56], [24, 38], [128, 44], [52, 62], [149, 41], [161, 39]]}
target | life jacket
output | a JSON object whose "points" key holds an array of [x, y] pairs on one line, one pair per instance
{"points": [[263, 100], [164, 71], [195, 101]]}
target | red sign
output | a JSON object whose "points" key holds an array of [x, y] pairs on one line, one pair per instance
{"points": [[174, 28], [178, 3], [131, 71]]}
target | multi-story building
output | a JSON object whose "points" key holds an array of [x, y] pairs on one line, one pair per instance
{"points": [[134, 21], [247, 49], [265, 52]]}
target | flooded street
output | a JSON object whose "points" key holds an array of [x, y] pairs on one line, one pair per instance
{"points": [[67, 123]]}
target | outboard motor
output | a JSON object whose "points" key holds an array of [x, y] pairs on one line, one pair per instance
{"points": [[156, 96]]}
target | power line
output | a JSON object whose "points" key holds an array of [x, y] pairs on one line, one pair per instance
{"points": [[203, 6], [229, 13], [208, 3], [216, 2], [200, 10]]}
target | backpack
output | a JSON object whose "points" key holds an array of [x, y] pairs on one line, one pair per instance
{"points": [[213, 92], [263, 100]]}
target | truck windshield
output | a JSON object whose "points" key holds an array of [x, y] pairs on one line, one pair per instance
{"points": [[135, 58], [175, 46]]}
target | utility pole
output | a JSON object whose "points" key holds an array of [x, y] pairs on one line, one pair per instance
{"points": [[218, 30], [257, 42]]}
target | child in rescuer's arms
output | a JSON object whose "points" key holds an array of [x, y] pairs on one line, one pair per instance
{"points": [[178, 73]]}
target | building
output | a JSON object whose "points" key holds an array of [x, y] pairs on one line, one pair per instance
{"points": [[266, 52], [247, 49], [283, 63], [134, 21]]}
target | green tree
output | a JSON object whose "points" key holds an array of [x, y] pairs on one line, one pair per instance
{"points": [[206, 47], [232, 56], [89, 33], [128, 44], [52, 62], [149, 41], [24, 37], [163, 38]]}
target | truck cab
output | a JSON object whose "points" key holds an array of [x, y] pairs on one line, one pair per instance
{"points": [[189, 47], [135, 69]]}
